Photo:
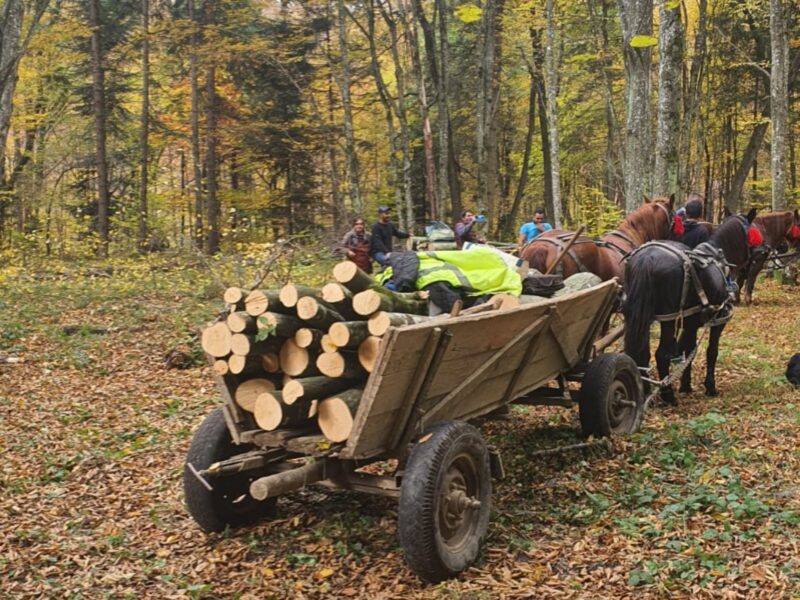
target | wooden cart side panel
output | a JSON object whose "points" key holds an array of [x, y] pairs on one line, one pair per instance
{"points": [[475, 340]]}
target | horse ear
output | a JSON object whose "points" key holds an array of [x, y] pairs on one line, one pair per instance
{"points": [[726, 212], [671, 200], [751, 215], [646, 199], [797, 215]]}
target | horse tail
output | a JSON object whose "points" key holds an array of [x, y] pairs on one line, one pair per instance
{"points": [[640, 303]]}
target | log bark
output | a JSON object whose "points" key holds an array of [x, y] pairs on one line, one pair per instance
{"points": [[244, 344], [307, 338], [271, 412], [216, 340], [296, 361], [335, 414], [258, 302], [316, 314], [338, 364], [281, 325], [348, 334], [380, 322], [247, 392], [241, 322], [271, 362], [350, 276], [313, 388], [368, 352], [288, 481], [239, 364], [371, 301], [290, 294]]}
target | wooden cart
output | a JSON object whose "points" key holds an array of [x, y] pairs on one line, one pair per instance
{"points": [[430, 379]]}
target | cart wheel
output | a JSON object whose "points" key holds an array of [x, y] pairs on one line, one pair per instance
{"points": [[612, 397], [445, 501], [229, 503]]}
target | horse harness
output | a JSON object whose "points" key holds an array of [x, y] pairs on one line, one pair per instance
{"points": [[560, 241], [702, 257]]}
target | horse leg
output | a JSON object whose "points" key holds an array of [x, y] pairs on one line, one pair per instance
{"points": [[686, 346], [711, 359], [664, 353]]}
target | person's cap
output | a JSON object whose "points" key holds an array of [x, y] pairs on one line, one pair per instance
{"points": [[383, 209]]}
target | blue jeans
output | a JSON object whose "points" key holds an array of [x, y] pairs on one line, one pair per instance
{"points": [[381, 258]]}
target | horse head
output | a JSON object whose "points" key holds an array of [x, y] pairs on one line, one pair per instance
{"points": [[793, 231], [654, 220]]}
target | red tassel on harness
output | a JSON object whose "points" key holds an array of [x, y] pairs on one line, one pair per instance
{"points": [[754, 238], [677, 226], [794, 233]]}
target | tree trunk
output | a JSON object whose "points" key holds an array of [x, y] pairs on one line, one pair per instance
{"points": [[199, 236], [637, 20], [347, 107], [551, 67], [446, 142], [431, 198], [9, 63], [145, 124], [99, 109], [779, 98], [748, 158], [212, 202], [670, 52], [691, 105], [402, 114]]}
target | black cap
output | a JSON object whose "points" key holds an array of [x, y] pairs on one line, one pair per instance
{"points": [[383, 209]]}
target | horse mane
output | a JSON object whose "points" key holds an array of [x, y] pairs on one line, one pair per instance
{"points": [[730, 236], [641, 221], [774, 225]]}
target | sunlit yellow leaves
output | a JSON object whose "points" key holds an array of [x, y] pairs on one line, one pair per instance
{"points": [[643, 41], [468, 13]]}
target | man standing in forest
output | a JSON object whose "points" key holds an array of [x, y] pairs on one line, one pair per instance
{"points": [[382, 233], [356, 245], [530, 230]]}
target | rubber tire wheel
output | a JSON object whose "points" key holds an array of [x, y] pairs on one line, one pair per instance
{"points": [[452, 448], [230, 503], [610, 378]]}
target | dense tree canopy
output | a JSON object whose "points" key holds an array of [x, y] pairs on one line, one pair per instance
{"points": [[269, 118]]}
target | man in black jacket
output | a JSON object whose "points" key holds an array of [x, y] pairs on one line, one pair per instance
{"points": [[694, 233], [382, 233]]}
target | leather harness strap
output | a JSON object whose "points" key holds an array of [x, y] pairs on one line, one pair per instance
{"points": [[703, 257], [559, 241]]}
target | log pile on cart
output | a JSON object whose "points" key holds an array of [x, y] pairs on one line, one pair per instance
{"points": [[302, 354], [320, 382]]}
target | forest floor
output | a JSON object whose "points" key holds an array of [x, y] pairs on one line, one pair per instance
{"points": [[704, 502]]}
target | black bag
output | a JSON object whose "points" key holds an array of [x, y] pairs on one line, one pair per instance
{"points": [[542, 285]]}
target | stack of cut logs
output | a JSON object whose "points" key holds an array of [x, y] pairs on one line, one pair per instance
{"points": [[304, 353]]}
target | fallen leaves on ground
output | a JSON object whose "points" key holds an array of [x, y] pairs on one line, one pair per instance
{"points": [[705, 502]]}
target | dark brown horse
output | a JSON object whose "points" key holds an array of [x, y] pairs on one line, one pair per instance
{"points": [[666, 284], [779, 230], [603, 257]]}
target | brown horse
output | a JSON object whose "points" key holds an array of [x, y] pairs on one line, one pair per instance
{"points": [[779, 229], [652, 221]]}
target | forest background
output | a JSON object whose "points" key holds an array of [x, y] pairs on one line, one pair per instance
{"points": [[140, 124]]}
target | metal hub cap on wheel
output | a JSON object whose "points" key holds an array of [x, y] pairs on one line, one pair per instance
{"points": [[621, 406], [457, 502]]}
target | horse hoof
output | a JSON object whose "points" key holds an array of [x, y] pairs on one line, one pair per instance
{"points": [[712, 391], [668, 396], [685, 389]]}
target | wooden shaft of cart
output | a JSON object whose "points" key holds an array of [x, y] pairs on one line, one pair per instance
{"points": [[565, 249]]}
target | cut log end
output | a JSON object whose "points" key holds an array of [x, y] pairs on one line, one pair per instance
{"points": [[331, 364], [289, 295], [220, 366], [268, 412], [367, 302], [216, 340], [294, 359], [240, 344], [305, 337], [247, 392], [326, 344], [339, 334], [368, 352], [334, 419], [335, 293], [307, 308], [379, 323], [234, 295], [256, 303]]}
